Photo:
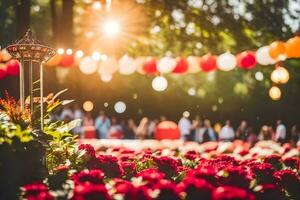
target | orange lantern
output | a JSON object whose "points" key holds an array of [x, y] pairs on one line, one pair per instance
{"points": [[277, 50], [55, 60], [167, 130], [293, 47]]}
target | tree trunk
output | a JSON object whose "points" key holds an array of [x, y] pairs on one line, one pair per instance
{"points": [[54, 21], [67, 23], [22, 12]]}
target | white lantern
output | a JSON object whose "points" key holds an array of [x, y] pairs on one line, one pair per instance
{"points": [[166, 65], [263, 57], [120, 107], [226, 61], [193, 62], [106, 77], [88, 65], [275, 93], [159, 83], [280, 75], [108, 66], [127, 65]]}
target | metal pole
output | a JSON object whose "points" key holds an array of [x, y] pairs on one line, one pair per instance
{"points": [[42, 96], [22, 87], [31, 87]]}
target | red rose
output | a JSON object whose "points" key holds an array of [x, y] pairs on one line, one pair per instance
{"points": [[274, 160], [263, 173], [207, 172], [129, 169], [167, 165], [88, 191], [92, 176], [151, 175], [37, 191], [89, 149], [167, 190], [269, 191], [293, 163], [290, 181], [235, 176], [195, 188], [229, 193], [109, 165], [191, 155], [129, 191]]}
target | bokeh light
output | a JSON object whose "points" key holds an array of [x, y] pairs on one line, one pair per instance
{"points": [[120, 107], [280, 75], [159, 83], [275, 93], [192, 91], [112, 28], [259, 76], [106, 77], [60, 51], [88, 106]]}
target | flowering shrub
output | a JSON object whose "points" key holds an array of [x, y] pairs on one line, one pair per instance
{"points": [[163, 174]]}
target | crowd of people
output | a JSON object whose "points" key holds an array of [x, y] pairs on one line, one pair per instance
{"points": [[199, 130]]}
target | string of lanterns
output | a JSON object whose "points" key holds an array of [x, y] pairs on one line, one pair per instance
{"points": [[106, 66]]}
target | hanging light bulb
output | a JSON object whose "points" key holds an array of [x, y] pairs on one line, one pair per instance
{"points": [[275, 93], [280, 75]]}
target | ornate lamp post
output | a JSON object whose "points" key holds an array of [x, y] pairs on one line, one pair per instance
{"points": [[31, 51]]}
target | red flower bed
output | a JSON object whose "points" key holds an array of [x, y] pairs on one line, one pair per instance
{"points": [[164, 174]]}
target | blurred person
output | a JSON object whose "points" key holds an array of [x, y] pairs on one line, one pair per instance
{"points": [[242, 131], [152, 127], [280, 133], [265, 133], [227, 132], [295, 135], [115, 131], [130, 129], [142, 129], [196, 123], [67, 114], [88, 128], [185, 126], [209, 133], [78, 114], [251, 137], [102, 125], [199, 131]]}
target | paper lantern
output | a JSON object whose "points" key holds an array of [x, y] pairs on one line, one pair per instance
{"points": [[127, 65], [67, 61], [167, 130], [246, 60], [275, 93], [139, 64], [13, 67], [280, 75], [150, 66], [159, 83], [106, 77], [54, 61], [166, 65], [263, 57], [3, 71], [88, 65], [208, 63], [181, 66], [293, 47], [5, 56], [226, 61], [193, 62], [277, 50], [108, 66]]}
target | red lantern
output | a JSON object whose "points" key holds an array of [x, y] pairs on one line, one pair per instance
{"points": [[208, 63], [246, 60], [167, 130], [13, 67], [3, 70], [67, 61], [150, 66], [181, 66]]}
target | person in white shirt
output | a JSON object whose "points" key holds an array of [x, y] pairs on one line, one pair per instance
{"points": [[185, 126], [227, 132], [280, 134]]}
